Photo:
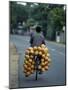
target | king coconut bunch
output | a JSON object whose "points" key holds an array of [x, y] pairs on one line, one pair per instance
{"points": [[29, 62]]}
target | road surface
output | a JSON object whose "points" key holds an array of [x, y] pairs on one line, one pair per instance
{"points": [[56, 73]]}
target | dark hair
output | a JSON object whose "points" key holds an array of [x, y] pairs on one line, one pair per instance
{"points": [[38, 29]]}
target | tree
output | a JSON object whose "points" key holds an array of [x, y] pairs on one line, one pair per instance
{"points": [[39, 13], [50, 16], [56, 21], [18, 13]]}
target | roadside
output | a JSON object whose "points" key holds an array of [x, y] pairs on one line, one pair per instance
{"points": [[13, 66], [56, 43]]}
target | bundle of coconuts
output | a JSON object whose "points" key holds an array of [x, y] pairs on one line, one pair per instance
{"points": [[29, 61]]}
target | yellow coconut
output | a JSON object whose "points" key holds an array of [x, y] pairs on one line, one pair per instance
{"points": [[34, 48], [42, 60], [46, 58], [33, 62], [25, 71], [30, 60], [25, 66], [43, 46], [36, 53], [39, 67], [43, 69], [46, 67], [43, 50], [46, 63], [31, 51], [43, 56], [40, 53], [43, 63], [29, 68], [27, 56], [30, 48], [29, 64], [39, 48], [32, 71], [26, 62], [48, 55], [27, 52], [31, 56], [46, 49], [32, 66], [49, 60], [28, 73]]}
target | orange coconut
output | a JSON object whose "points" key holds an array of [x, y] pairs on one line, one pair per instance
{"points": [[32, 66], [30, 48], [27, 56], [46, 62], [29, 68], [42, 60], [35, 48], [28, 73], [25, 71], [31, 51], [27, 52], [48, 55], [43, 69], [29, 64], [33, 62], [39, 48], [25, 66], [46, 49], [30, 60], [26, 62], [39, 67], [31, 56], [40, 53], [46, 67], [49, 60], [43, 64], [43, 46], [46, 58], [43, 56], [32, 70], [36, 53]]}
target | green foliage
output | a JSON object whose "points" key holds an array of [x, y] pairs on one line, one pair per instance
{"points": [[56, 21], [57, 16], [50, 17], [18, 13]]}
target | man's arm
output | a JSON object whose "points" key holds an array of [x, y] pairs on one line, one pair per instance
{"points": [[43, 40], [31, 40]]}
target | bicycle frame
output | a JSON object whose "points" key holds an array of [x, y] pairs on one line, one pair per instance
{"points": [[37, 62]]}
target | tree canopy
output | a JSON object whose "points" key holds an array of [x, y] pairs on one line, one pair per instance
{"points": [[51, 17]]}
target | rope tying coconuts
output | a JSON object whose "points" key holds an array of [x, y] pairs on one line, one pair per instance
{"points": [[29, 61]]}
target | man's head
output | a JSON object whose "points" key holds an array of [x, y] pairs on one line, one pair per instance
{"points": [[38, 29]]}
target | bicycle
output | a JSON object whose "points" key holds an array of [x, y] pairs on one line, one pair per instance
{"points": [[37, 63]]}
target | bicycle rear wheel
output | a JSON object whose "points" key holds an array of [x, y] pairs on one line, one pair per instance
{"points": [[36, 64]]}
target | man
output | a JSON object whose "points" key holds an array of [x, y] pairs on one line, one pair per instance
{"points": [[37, 37]]}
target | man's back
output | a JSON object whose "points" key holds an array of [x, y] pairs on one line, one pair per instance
{"points": [[37, 38]]}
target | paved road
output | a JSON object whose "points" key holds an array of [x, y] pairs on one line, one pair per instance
{"points": [[56, 73]]}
